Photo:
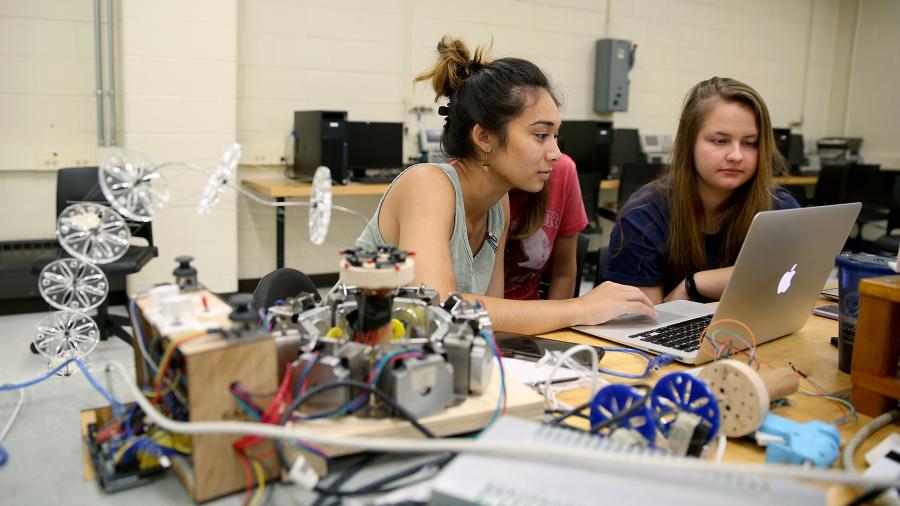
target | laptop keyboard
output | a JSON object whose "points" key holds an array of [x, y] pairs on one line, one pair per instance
{"points": [[682, 336]]}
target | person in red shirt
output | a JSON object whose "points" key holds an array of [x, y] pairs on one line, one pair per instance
{"points": [[533, 248]]}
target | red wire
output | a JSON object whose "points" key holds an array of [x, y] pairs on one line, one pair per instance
{"points": [[248, 473]]}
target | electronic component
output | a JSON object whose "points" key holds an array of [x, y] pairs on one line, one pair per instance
{"points": [[185, 274], [744, 394], [480, 479], [813, 442], [423, 355], [112, 476], [621, 406], [686, 412]]}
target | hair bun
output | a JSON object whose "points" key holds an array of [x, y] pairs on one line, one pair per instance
{"points": [[454, 65]]}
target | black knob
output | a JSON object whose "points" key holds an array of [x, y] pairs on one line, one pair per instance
{"points": [[243, 311]]}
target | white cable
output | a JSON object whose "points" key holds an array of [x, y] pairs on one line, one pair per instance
{"points": [[535, 452], [862, 434], [15, 413], [138, 336], [563, 358], [259, 200], [720, 449]]}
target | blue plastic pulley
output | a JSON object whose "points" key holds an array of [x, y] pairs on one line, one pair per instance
{"points": [[612, 400], [681, 392]]}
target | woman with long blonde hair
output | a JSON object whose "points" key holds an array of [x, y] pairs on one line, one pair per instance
{"points": [[679, 236]]}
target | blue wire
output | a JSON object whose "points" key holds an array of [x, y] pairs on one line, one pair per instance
{"points": [[652, 363], [487, 337], [118, 409], [139, 334], [305, 373], [4, 456]]}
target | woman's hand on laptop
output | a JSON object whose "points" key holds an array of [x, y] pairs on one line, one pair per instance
{"points": [[611, 300]]}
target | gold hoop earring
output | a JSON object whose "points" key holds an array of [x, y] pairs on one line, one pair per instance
{"points": [[485, 164]]}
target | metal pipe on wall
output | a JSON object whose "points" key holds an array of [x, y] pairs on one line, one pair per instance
{"points": [[111, 66], [98, 65]]}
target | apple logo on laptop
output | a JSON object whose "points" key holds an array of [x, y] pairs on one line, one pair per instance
{"points": [[785, 282]]}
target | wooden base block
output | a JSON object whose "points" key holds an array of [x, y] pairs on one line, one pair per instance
{"points": [[470, 416]]}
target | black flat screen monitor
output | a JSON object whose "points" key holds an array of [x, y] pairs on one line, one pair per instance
{"points": [[374, 145], [587, 142], [626, 148], [791, 148]]}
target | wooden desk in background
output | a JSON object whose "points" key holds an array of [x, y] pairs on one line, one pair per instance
{"points": [[809, 349], [280, 188]]}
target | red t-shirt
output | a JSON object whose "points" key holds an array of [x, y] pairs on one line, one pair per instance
{"points": [[526, 259]]}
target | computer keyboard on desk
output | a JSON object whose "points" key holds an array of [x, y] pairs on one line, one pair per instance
{"points": [[682, 336]]}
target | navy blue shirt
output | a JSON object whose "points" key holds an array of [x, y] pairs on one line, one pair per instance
{"points": [[637, 246]]}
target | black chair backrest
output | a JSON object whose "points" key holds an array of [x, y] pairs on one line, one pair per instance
{"points": [[81, 184], [580, 252], [634, 176], [281, 284], [831, 187], [871, 186], [893, 221], [589, 182]]}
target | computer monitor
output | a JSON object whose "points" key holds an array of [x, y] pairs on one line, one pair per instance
{"points": [[791, 148], [626, 148], [374, 145], [587, 142]]}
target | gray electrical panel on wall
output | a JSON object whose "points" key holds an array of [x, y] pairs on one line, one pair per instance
{"points": [[614, 59]]}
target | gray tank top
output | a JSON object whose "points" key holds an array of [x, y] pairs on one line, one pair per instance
{"points": [[473, 272]]}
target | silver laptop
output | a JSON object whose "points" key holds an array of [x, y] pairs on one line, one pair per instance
{"points": [[785, 260]]}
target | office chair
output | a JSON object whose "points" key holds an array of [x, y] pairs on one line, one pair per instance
{"points": [[831, 187], [632, 178], [580, 253], [80, 184], [889, 243], [281, 284], [872, 187]]}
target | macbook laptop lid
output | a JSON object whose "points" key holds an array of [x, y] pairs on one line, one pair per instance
{"points": [[783, 264]]}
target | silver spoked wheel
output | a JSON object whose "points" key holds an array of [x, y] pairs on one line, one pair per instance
{"points": [[133, 186], [320, 206], [92, 233], [219, 177], [66, 334], [72, 284]]}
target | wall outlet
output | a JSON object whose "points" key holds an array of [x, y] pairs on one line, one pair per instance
{"points": [[58, 157], [262, 154]]}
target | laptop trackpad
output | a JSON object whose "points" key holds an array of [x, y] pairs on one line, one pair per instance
{"points": [[639, 321]]}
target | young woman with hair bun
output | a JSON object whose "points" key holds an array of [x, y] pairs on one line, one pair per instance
{"points": [[501, 123]]}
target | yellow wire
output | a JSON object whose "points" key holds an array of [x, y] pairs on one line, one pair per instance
{"points": [[261, 480], [124, 448]]}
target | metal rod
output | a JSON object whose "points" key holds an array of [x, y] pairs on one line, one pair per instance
{"points": [[98, 65], [111, 60]]}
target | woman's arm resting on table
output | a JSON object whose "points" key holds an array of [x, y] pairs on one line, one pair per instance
{"points": [[601, 304], [710, 284]]}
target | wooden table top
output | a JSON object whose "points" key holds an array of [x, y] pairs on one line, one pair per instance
{"points": [[809, 349]]}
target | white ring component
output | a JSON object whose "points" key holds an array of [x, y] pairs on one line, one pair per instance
{"points": [[320, 206], [66, 334], [219, 178], [159, 293], [741, 394], [370, 276], [133, 185], [93, 233], [70, 283]]}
